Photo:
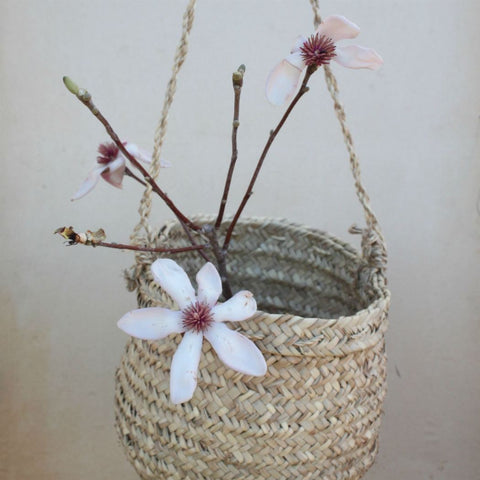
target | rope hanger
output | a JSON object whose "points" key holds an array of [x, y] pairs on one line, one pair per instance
{"points": [[373, 242]]}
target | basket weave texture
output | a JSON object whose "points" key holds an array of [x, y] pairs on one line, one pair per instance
{"points": [[316, 413]]}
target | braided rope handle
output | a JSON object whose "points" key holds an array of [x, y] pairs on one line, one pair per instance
{"points": [[180, 55], [373, 242]]}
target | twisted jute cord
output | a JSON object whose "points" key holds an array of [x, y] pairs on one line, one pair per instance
{"points": [[373, 242], [180, 55]]}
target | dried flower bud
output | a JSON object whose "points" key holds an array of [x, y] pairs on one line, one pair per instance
{"points": [[87, 238], [68, 234], [93, 238]]}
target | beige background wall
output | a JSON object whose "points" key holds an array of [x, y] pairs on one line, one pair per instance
{"points": [[416, 128]]}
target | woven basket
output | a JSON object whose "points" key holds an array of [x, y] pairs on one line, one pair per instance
{"points": [[321, 325], [316, 414]]}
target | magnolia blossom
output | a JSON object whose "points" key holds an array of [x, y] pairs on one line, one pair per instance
{"points": [[199, 316], [111, 166], [318, 50]]}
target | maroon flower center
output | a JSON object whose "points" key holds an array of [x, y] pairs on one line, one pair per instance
{"points": [[318, 50], [108, 153], [197, 317]]}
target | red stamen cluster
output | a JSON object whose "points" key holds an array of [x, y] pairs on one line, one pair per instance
{"points": [[108, 152], [318, 50], [197, 317]]}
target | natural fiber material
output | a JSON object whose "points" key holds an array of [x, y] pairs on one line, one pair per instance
{"points": [[180, 55], [316, 414], [373, 242]]}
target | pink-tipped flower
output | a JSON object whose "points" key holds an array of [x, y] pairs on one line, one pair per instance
{"points": [[317, 50], [111, 166], [199, 316]]}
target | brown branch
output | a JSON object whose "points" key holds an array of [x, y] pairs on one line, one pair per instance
{"points": [[219, 253], [271, 138], [122, 246], [86, 99], [192, 241], [97, 239], [237, 80], [185, 228], [129, 173]]}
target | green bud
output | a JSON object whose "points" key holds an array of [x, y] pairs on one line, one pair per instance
{"points": [[71, 85]]}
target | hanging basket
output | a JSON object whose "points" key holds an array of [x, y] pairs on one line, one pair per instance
{"points": [[320, 325]]}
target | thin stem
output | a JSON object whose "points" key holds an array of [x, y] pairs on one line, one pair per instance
{"points": [[237, 80], [86, 98], [219, 253], [192, 241], [129, 173], [271, 138], [97, 238], [137, 248], [185, 228]]}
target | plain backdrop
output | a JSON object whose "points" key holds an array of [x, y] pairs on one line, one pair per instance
{"points": [[416, 129]]}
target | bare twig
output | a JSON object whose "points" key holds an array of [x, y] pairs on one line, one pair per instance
{"points": [[271, 138], [129, 173], [237, 80], [97, 239], [86, 99], [123, 246], [192, 241], [219, 253]]}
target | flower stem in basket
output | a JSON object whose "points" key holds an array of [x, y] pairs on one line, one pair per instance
{"points": [[303, 89], [220, 254], [189, 235], [237, 81], [86, 98], [138, 248], [97, 239]]}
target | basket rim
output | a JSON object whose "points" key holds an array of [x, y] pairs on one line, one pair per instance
{"points": [[380, 304], [382, 294]]}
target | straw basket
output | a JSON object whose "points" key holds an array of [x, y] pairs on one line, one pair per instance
{"points": [[316, 414], [320, 326]]}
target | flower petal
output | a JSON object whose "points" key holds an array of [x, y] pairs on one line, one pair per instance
{"points": [[355, 56], [173, 279], [143, 155], [138, 153], [282, 82], [236, 351], [296, 59], [114, 172], [299, 41], [151, 323], [89, 182], [240, 307], [209, 284], [337, 27], [183, 372], [165, 163]]}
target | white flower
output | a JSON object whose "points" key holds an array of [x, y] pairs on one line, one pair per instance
{"points": [[111, 166], [199, 316], [318, 50]]}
